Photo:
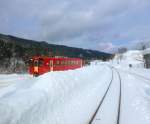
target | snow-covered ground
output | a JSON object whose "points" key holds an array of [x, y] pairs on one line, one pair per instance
{"points": [[58, 97], [72, 97], [133, 58], [6, 80]]}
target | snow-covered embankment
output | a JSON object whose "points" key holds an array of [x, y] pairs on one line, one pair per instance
{"points": [[68, 97]]}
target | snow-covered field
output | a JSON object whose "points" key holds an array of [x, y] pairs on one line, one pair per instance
{"points": [[72, 97]]}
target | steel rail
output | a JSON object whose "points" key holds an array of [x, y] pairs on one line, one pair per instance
{"points": [[104, 96], [92, 118], [120, 94]]}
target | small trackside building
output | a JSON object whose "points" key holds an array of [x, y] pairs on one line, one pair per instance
{"points": [[146, 56]]}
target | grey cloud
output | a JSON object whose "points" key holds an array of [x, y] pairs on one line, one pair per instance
{"points": [[77, 18], [81, 23]]}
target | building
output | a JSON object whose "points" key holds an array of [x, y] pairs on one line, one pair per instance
{"points": [[146, 56]]}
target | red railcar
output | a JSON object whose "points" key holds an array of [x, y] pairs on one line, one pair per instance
{"points": [[41, 65]]}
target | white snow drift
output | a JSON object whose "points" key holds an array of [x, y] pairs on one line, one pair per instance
{"points": [[68, 97]]}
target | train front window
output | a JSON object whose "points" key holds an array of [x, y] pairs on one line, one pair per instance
{"points": [[41, 62], [30, 62], [38, 63]]}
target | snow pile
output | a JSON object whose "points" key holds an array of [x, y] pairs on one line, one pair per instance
{"points": [[132, 58], [135, 98], [68, 97]]}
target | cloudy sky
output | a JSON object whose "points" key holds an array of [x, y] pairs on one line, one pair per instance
{"points": [[103, 25]]}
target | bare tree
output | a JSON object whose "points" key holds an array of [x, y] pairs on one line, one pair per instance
{"points": [[122, 50], [142, 46]]}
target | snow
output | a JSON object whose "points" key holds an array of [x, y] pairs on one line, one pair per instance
{"points": [[135, 107], [146, 51], [6, 80], [71, 97], [57, 97], [133, 58], [135, 98]]}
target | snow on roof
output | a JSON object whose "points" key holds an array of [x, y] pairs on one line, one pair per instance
{"points": [[146, 51], [133, 56]]}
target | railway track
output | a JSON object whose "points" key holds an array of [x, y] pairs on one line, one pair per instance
{"points": [[104, 99], [119, 106]]}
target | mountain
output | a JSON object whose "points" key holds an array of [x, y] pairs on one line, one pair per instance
{"points": [[15, 52]]}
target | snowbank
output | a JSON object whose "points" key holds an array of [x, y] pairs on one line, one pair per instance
{"points": [[135, 99], [9, 79], [68, 97]]}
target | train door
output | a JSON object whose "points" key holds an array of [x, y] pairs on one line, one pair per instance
{"points": [[36, 68], [51, 65]]}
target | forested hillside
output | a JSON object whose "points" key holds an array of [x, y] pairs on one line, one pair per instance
{"points": [[15, 52]]}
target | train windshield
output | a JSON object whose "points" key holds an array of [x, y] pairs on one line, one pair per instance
{"points": [[30, 62], [41, 62], [38, 62]]}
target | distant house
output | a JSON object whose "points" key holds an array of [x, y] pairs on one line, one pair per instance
{"points": [[146, 56]]}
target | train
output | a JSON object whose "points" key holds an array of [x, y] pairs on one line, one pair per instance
{"points": [[39, 65]]}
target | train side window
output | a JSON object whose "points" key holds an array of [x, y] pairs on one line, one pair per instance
{"points": [[57, 62], [66, 62], [77, 62], [62, 62], [72, 63], [54, 63]]}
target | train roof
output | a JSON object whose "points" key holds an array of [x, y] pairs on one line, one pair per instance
{"points": [[60, 58]]}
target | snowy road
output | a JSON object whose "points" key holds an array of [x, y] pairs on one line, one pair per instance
{"points": [[96, 94]]}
